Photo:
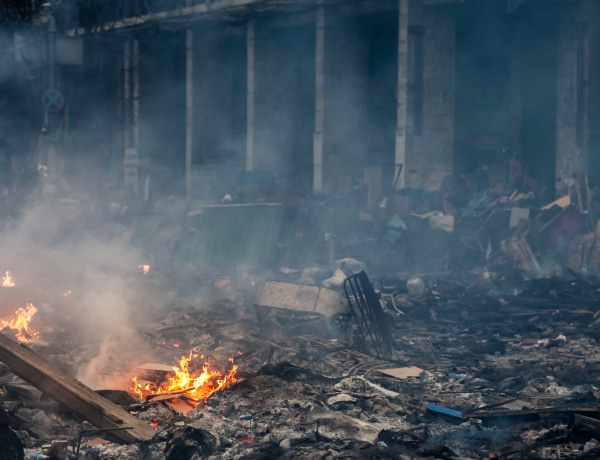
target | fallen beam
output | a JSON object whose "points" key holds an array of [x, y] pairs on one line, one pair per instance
{"points": [[578, 421], [73, 394], [540, 411]]}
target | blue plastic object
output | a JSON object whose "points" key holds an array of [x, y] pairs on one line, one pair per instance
{"points": [[445, 411]]}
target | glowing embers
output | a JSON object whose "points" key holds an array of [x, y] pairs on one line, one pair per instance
{"points": [[20, 323], [194, 379], [144, 268], [8, 280]]}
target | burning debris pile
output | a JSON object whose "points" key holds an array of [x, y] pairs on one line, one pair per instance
{"points": [[189, 381], [474, 371], [20, 323], [318, 343]]}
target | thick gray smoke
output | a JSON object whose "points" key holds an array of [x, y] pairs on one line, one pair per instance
{"points": [[100, 275]]}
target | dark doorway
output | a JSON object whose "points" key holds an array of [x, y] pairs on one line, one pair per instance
{"points": [[537, 37], [162, 106], [285, 101], [483, 90], [506, 93], [381, 31]]}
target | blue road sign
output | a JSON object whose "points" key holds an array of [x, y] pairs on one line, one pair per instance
{"points": [[53, 100]]}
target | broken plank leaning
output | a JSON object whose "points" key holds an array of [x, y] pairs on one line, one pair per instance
{"points": [[73, 394]]}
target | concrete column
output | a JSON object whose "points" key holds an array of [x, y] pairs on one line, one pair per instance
{"points": [[319, 102], [126, 94], [250, 95], [189, 110], [136, 94], [131, 113], [402, 91]]}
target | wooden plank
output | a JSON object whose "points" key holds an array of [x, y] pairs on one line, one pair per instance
{"points": [[518, 250], [563, 202], [73, 394]]}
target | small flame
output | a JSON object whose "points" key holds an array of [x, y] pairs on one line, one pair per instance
{"points": [[144, 268], [7, 280], [196, 388], [153, 423], [20, 322]]}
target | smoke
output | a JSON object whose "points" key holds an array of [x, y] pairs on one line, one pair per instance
{"points": [[98, 373], [49, 252]]}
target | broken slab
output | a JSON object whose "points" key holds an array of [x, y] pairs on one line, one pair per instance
{"points": [[72, 393], [299, 297], [335, 425], [402, 373]]}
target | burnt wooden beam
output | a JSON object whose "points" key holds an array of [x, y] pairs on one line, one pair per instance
{"points": [[73, 394]]}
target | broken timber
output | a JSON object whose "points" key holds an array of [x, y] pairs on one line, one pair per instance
{"points": [[520, 412], [73, 394], [518, 250]]}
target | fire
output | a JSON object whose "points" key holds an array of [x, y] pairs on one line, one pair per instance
{"points": [[197, 388], [20, 322], [7, 280], [144, 268]]}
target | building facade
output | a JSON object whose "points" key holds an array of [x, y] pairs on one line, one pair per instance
{"points": [[315, 91]]}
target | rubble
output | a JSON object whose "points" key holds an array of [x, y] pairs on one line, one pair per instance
{"points": [[494, 360], [457, 332]]}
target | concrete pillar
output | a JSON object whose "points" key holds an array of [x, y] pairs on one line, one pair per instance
{"points": [[131, 114], [126, 94], [430, 152], [402, 93], [136, 94], [319, 102], [189, 110], [250, 95], [572, 129]]}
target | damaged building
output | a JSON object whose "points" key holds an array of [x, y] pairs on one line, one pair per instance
{"points": [[299, 229]]}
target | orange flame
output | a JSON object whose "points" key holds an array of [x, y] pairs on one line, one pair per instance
{"points": [[7, 280], [197, 388], [20, 322], [144, 268]]}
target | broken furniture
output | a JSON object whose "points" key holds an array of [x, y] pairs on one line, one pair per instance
{"points": [[373, 327]]}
